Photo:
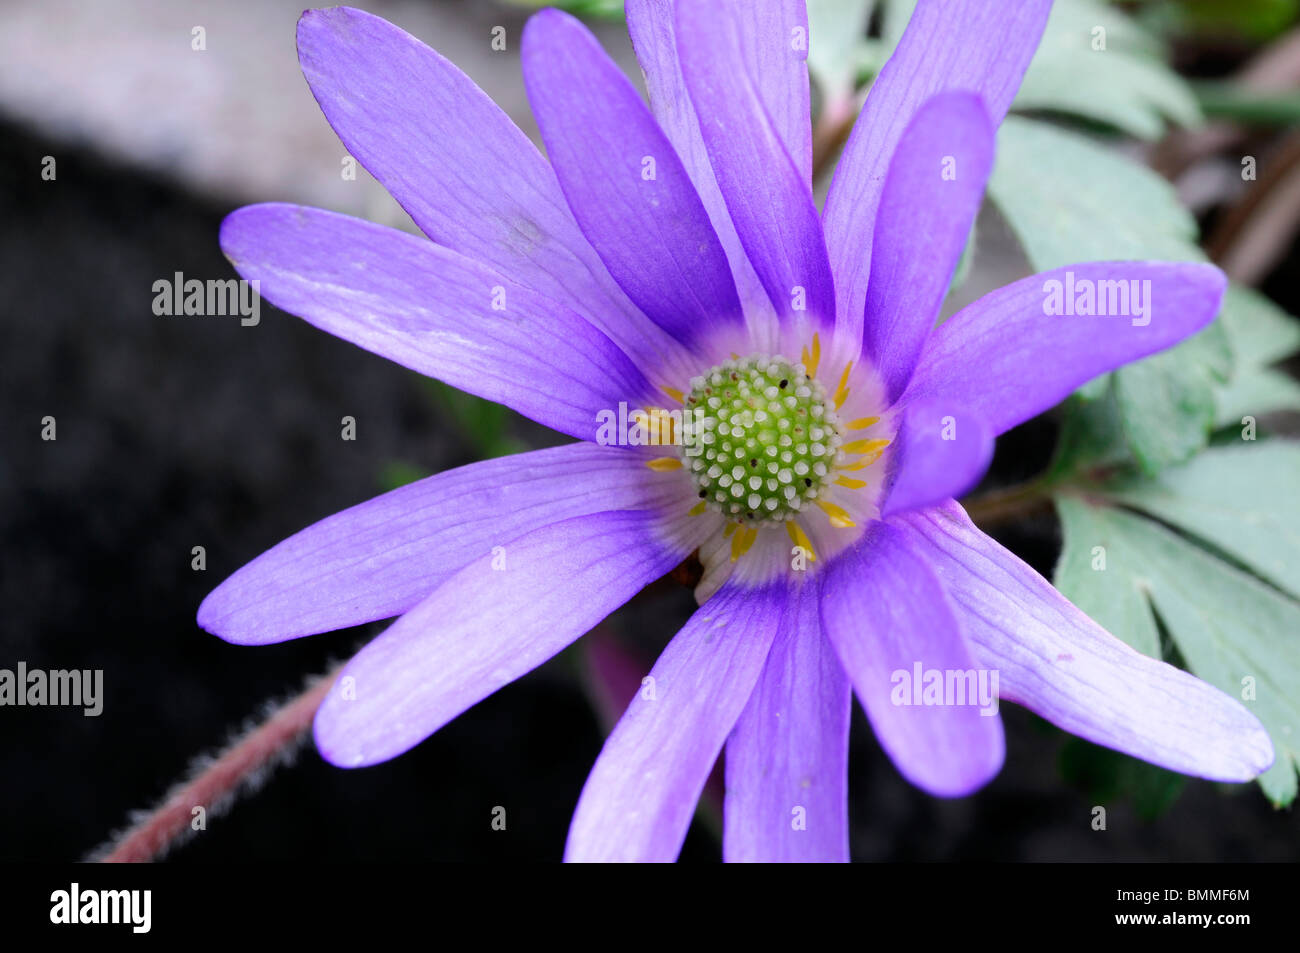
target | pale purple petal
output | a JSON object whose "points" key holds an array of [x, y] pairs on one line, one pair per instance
{"points": [[940, 452], [895, 631], [653, 28], [1007, 357], [641, 794], [971, 45], [767, 193], [645, 221], [465, 173], [930, 197], [378, 559], [1056, 661], [434, 311], [494, 620], [787, 757]]}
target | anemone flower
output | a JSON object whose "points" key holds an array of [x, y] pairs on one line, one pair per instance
{"points": [[816, 425]]}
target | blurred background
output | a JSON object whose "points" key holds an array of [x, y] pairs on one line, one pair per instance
{"points": [[176, 432]]}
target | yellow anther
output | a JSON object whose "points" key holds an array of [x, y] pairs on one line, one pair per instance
{"points": [[811, 360], [862, 423], [840, 518], [800, 539], [865, 446], [842, 391], [864, 461], [664, 464], [851, 483], [741, 542]]}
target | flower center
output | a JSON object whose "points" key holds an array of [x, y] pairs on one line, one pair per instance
{"points": [[765, 438]]}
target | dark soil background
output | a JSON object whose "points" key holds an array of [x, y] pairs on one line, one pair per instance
{"points": [[182, 431]]}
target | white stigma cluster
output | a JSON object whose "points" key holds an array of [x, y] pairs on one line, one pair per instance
{"points": [[766, 441]]}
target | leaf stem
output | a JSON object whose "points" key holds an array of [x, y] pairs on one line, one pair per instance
{"points": [[1004, 505]]}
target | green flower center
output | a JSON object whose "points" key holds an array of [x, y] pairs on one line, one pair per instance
{"points": [[764, 439]]}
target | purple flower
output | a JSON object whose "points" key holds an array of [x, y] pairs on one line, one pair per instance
{"points": [[672, 258]]}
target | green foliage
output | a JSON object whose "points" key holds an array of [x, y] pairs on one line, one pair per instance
{"points": [[604, 9], [1207, 585], [836, 32], [481, 422], [1259, 334], [1107, 775], [1097, 63], [1249, 19]]}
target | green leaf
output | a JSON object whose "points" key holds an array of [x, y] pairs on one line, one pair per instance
{"points": [[836, 37], [1230, 100], [1240, 499], [608, 9], [1108, 775], [1127, 85], [1069, 200], [1091, 445], [395, 473], [483, 423], [1255, 393], [1259, 331], [1167, 404], [1232, 629], [1118, 603], [1256, 20], [1094, 61]]}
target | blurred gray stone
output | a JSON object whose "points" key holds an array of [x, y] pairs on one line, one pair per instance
{"points": [[235, 120]]}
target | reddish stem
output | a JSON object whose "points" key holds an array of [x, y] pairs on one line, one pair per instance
{"points": [[220, 780]]}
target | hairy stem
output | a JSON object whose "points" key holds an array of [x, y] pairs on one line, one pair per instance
{"points": [[215, 782]]}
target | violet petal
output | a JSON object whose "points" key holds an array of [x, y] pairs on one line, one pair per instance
{"points": [[895, 629], [494, 620], [641, 794], [434, 311], [1056, 661], [787, 757], [624, 183]]}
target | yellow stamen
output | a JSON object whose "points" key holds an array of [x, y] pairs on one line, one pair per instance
{"points": [[800, 539], [862, 423], [842, 391], [810, 361], [659, 426], [741, 542], [850, 482], [675, 394], [864, 446], [664, 464], [697, 509], [863, 462], [731, 528], [840, 518]]}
